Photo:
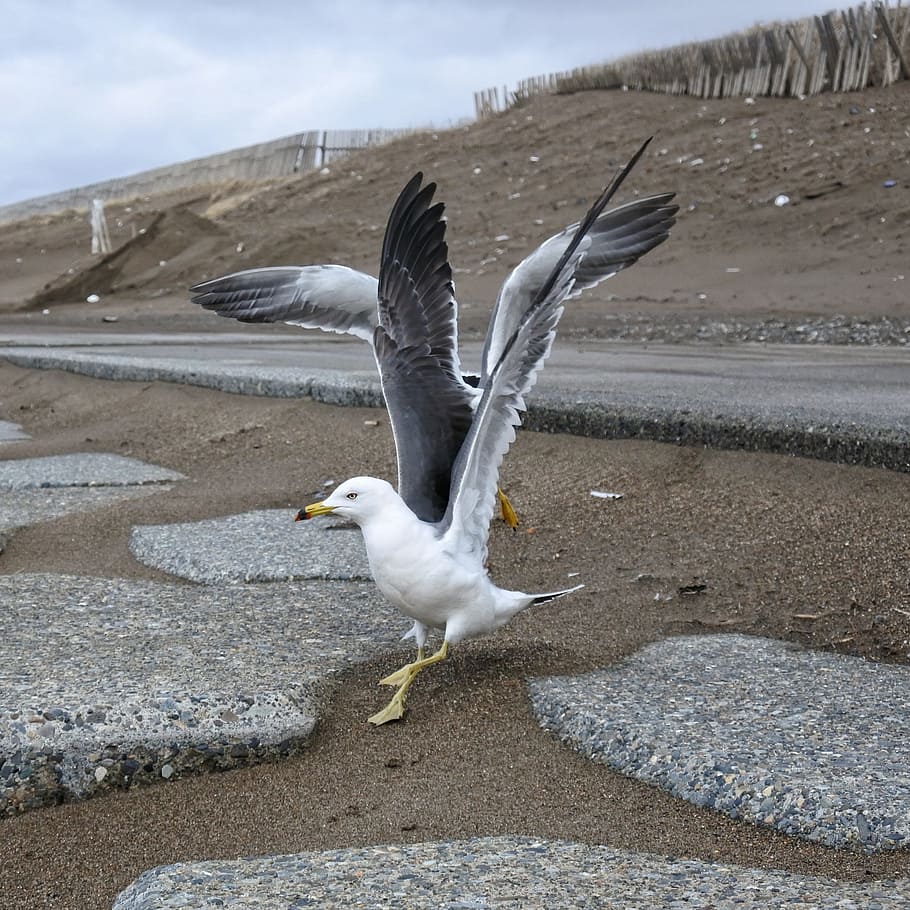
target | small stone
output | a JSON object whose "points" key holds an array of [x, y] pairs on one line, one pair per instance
{"points": [[100, 774], [167, 771]]}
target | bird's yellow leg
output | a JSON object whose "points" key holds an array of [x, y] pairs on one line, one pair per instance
{"points": [[399, 676], [394, 710], [505, 508]]}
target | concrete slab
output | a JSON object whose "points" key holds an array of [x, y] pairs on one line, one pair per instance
{"points": [[833, 402], [80, 470], [109, 683], [812, 744], [508, 873], [41, 489], [262, 546]]}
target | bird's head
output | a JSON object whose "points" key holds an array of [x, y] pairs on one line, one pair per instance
{"points": [[357, 499]]}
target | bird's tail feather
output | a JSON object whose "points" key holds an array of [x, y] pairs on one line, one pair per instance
{"points": [[546, 598]]}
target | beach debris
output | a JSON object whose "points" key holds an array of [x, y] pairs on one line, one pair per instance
{"points": [[698, 587], [92, 298], [781, 200], [889, 183], [603, 494]]}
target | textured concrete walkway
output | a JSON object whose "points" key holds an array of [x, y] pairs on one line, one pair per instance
{"points": [[815, 745], [502, 872], [257, 546], [104, 683], [40, 489], [833, 402], [153, 680]]}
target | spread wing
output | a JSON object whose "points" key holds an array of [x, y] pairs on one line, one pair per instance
{"points": [[429, 405], [333, 298], [618, 239], [471, 501]]}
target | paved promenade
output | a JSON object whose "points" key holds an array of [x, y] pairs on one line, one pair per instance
{"points": [[153, 680]]}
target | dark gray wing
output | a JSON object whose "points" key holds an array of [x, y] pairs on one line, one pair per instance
{"points": [[472, 499], [429, 405], [333, 298], [619, 238]]}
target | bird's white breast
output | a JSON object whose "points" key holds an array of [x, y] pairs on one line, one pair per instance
{"points": [[418, 576]]}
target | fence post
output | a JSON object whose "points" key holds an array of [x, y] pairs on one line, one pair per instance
{"points": [[101, 239], [892, 40]]}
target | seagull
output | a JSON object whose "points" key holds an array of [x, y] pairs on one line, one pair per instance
{"points": [[336, 298], [427, 542]]}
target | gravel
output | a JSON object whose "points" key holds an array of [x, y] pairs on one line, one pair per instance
{"points": [[844, 330], [811, 744], [263, 546], [151, 681], [509, 873]]}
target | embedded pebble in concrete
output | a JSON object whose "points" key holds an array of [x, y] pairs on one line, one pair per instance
{"points": [[259, 546], [11, 432], [151, 680], [80, 470], [812, 744], [510, 873]]}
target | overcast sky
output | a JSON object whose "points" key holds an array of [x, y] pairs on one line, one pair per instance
{"points": [[93, 89]]}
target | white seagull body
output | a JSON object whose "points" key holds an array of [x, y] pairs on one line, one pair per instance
{"points": [[427, 542]]}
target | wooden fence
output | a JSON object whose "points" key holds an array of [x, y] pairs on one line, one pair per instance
{"points": [[838, 52], [278, 158]]}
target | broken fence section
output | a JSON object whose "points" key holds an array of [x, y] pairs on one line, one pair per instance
{"points": [[841, 51]]}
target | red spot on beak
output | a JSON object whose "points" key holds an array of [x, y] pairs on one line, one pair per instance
{"points": [[301, 515]]}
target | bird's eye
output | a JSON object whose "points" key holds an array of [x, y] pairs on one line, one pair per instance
{"points": [[352, 496]]}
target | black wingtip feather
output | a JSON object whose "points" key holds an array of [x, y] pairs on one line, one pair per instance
{"points": [[586, 224]]}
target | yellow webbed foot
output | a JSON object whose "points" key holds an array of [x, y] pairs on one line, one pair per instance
{"points": [[505, 507], [394, 710]]}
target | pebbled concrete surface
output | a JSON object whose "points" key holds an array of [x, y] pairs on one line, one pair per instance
{"points": [[812, 744], [833, 402], [511, 873], [80, 470], [108, 683], [263, 546], [41, 489]]}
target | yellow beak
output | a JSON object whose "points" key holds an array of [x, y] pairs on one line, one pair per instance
{"points": [[311, 511]]}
